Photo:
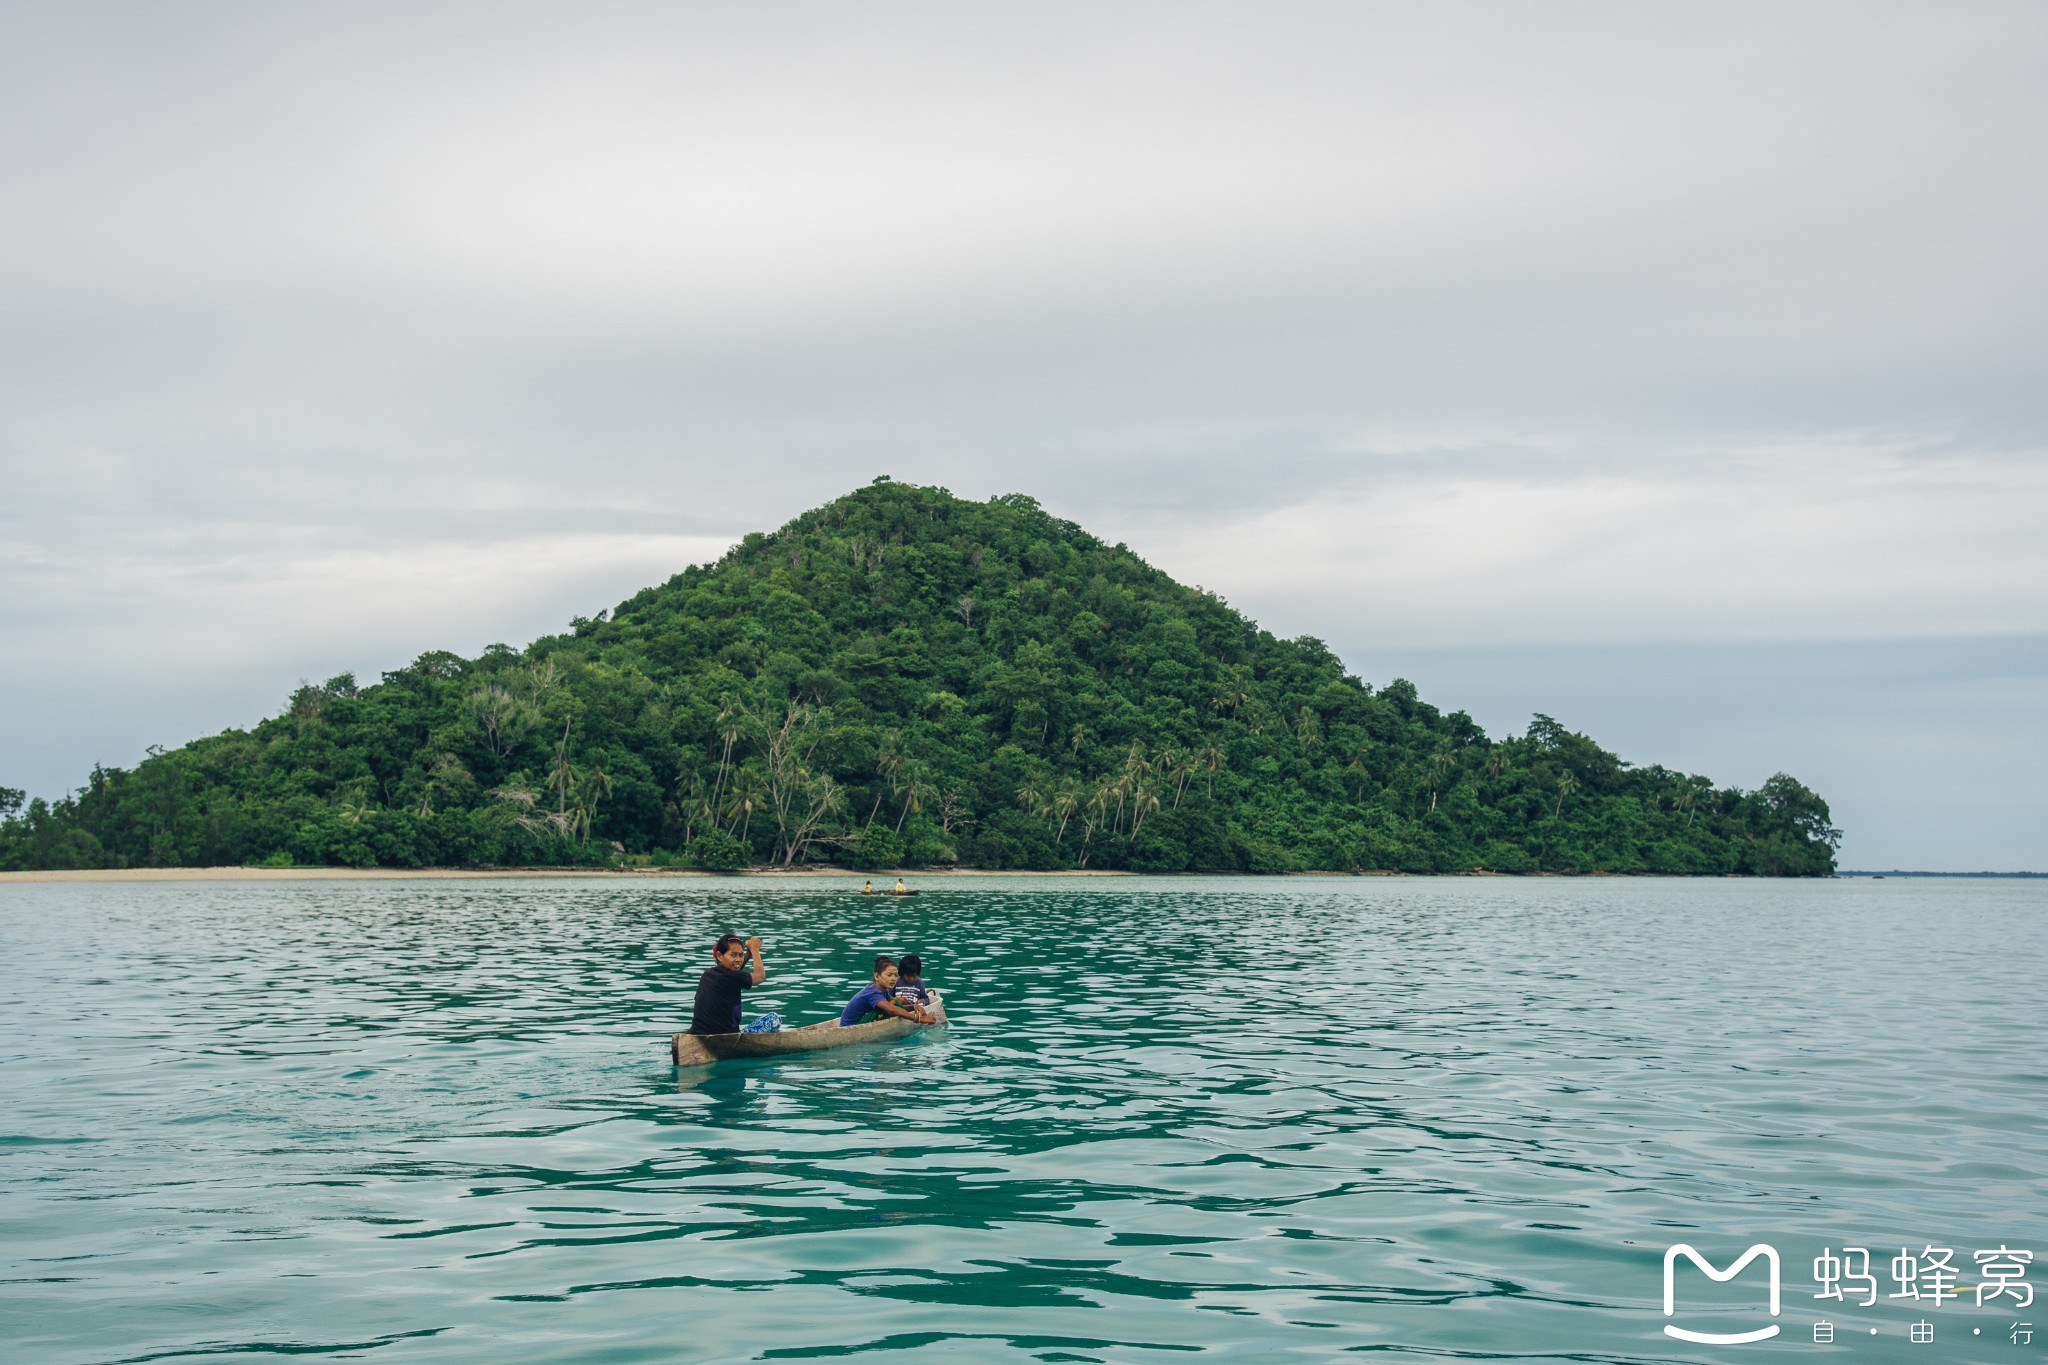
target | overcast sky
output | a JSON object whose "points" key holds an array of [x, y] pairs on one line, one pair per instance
{"points": [[1676, 371]]}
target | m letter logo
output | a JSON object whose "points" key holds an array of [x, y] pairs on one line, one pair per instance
{"points": [[1770, 1255]]}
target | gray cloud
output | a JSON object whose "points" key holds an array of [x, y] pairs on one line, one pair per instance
{"points": [[327, 336]]}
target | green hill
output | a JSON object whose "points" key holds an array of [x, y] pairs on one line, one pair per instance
{"points": [[901, 677]]}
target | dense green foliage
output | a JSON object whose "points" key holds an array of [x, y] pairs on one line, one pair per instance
{"points": [[905, 678]]}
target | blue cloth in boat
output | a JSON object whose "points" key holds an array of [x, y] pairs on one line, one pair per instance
{"points": [[771, 1022], [912, 992], [857, 1008]]}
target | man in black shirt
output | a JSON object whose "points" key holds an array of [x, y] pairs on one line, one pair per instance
{"points": [[718, 990]]}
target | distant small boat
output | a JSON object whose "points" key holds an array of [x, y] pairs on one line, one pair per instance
{"points": [[885, 893], [702, 1049]]}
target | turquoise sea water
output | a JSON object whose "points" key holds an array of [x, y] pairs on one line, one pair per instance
{"points": [[1249, 1119]]}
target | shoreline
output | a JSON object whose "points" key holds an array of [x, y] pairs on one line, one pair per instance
{"points": [[929, 874], [389, 874]]}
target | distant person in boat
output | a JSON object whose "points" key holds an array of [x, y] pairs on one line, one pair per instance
{"points": [[878, 997], [901, 889], [869, 890], [910, 988], [718, 990]]}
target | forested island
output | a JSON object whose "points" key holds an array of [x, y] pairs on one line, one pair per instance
{"points": [[902, 678]]}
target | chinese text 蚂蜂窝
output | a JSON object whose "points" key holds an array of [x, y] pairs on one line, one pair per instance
{"points": [[1927, 1276]]}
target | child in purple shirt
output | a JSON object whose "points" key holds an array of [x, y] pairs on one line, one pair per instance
{"points": [[879, 997]]}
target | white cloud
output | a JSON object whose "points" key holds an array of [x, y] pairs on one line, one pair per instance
{"points": [[1833, 538]]}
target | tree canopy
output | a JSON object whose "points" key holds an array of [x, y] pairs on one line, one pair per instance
{"points": [[906, 678]]}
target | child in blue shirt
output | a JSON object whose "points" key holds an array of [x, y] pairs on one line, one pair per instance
{"points": [[879, 997]]}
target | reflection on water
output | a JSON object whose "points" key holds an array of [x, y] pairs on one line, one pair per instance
{"points": [[1268, 1119]]}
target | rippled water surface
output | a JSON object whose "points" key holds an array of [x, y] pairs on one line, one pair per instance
{"points": [[1258, 1119]]}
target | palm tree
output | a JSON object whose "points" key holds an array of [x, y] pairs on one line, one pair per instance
{"points": [[1166, 763], [1701, 787], [1566, 785], [1132, 783], [1357, 764], [693, 803], [592, 786], [1142, 805], [1065, 802], [888, 762], [741, 803], [1440, 763], [1233, 692], [562, 773], [915, 793], [731, 724], [1180, 770], [1098, 806], [1212, 759]]}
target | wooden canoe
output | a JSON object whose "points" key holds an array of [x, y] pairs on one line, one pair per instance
{"points": [[702, 1049]]}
